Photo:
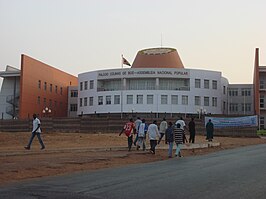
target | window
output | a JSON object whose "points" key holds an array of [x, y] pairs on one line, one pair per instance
{"points": [[233, 92], [86, 85], [81, 86], [129, 99], [85, 101], [61, 90], [149, 99], [214, 101], [262, 86], [197, 101], [246, 107], [261, 122], [246, 92], [206, 83], [55, 103], [73, 107], [74, 93], [163, 99], [141, 84], [55, 89], [100, 100], [174, 99], [184, 100], [39, 84], [262, 101], [91, 101], [117, 99], [45, 86], [206, 101], [174, 84], [233, 107], [44, 101], [80, 102], [224, 90], [51, 87], [61, 104], [139, 99], [50, 103], [39, 100], [107, 85], [91, 84], [197, 83], [108, 99], [214, 84]]}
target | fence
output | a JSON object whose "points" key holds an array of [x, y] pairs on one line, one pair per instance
{"points": [[106, 125]]}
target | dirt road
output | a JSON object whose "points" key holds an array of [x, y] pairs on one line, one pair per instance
{"points": [[75, 152]]}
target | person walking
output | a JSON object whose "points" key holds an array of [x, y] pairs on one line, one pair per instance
{"points": [[128, 130], [182, 126], [153, 133], [192, 130], [209, 130], [178, 137], [162, 129], [137, 123], [169, 138], [143, 127], [36, 130]]}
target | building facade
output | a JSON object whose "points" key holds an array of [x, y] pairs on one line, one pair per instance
{"points": [[165, 87], [40, 89], [240, 99], [259, 82]]}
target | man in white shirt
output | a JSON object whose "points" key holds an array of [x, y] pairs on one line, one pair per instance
{"points": [[163, 127], [36, 130], [137, 123], [153, 133]]}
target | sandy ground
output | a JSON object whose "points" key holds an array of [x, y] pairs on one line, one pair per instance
{"points": [[74, 152]]}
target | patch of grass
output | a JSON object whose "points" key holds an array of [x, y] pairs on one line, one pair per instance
{"points": [[261, 132]]}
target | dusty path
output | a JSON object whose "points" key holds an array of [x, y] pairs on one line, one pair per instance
{"points": [[73, 152]]}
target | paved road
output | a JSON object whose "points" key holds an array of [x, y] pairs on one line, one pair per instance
{"points": [[237, 173]]}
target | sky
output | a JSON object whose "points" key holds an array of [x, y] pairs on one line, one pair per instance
{"points": [[79, 36]]}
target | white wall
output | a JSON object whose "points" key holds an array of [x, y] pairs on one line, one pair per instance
{"points": [[7, 89], [157, 106]]}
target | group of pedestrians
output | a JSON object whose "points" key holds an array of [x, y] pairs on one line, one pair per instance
{"points": [[174, 133]]}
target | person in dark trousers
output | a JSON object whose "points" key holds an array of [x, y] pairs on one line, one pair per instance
{"points": [[178, 137], [183, 127], [143, 127], [209, 130], [36, 130], [153, 134], [128, 130], [192, 130], [169, 138]]}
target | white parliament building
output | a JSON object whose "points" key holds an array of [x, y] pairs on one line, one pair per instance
{"points": [[157, 82]]}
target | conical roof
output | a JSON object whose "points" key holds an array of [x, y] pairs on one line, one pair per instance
{"points": [[157, 58]]}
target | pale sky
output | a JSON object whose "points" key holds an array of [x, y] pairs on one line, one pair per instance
{"points": [[78, 36]]}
